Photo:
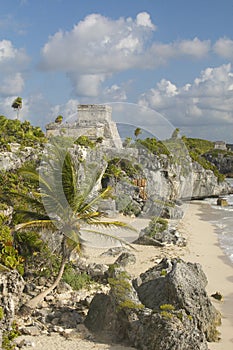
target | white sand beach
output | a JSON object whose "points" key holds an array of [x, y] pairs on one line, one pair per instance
{"points": [[202, 248]]}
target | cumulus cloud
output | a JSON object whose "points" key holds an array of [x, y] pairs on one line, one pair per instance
{"points": [[86, 84], [205, 103], [12, 85], [97, 47], [9, 54], [224, 48], [68, 110], [143, 19], [12, 64], [115, 93], [162, 53]]}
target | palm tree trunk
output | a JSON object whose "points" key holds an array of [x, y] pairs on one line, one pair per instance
{"points": [[28, 307]]}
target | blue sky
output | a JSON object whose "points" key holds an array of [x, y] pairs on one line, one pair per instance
{"points": [[175, 57]]}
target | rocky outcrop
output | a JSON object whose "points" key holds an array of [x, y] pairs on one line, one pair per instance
{"points": [[167, 237], [16, 158], [11, 287], [224, 162], [206, 184], [182, 285], [160, 233], [165, 308], [168, 183]]}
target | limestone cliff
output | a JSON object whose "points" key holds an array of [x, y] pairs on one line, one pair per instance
{"points": [[224, 162]]}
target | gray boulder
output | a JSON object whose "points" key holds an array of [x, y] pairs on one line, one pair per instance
{"points": [[182, 285], [122, 316], [158, 233], [166, 237], [125, 259]]}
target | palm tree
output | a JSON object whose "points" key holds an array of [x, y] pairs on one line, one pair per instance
{"points": [[17, 105], [137, 132], [65, 207]]}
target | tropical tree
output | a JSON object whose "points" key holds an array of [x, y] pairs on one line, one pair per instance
{"points": [[59, 119], [17, 105], [63, 206], [137, 132]]}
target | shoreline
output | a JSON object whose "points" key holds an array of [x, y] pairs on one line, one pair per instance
{"points": [[203, 247]]}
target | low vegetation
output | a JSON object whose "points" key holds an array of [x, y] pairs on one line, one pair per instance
{"points": [[15, 131], [76, 279], [155, 226]]}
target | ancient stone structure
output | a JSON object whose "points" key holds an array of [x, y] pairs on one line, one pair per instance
{"points": [[94, 121]]}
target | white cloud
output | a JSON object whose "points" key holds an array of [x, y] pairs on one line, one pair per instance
{"points": [[6, 50], [195, 48], [67, 110], [162, 53], [115, 93], [13, 61], [86, 84], [9, 53], [97, 47], [12, 85], [143, 19], [224, 48], [206, 103]]}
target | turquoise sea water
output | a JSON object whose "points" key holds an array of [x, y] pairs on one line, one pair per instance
{"points": [[224, 222]]}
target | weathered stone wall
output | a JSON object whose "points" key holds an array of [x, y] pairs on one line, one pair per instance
{"points": [[93, 121], [91, 114]]}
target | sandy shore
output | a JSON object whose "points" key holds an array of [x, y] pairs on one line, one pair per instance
{"points": [[202, 248]]}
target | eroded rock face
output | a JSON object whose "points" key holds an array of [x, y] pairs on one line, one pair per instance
{"points": [[11, 287], [224, 163], [182, 285], [15, 159], [171, 331], [161, 239], [171, 310]]}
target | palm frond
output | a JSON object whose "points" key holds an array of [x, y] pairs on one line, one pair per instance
{"points": [[108, 236], [69, 180], [35, 224], [90, 215], [86, 207], [112, 225], [31, 215], [34, 200]]}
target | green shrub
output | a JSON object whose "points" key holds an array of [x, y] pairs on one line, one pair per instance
{"points": [[121, 288], [166, 315], [75, 279], [163, 272], [131, 209], [119, 168], [9, 256], [24, 133], [9, 336], [85, 142], [129, 304], [197, 149], [155, 226], [154, 146], [167, 307], [1, 313]]}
